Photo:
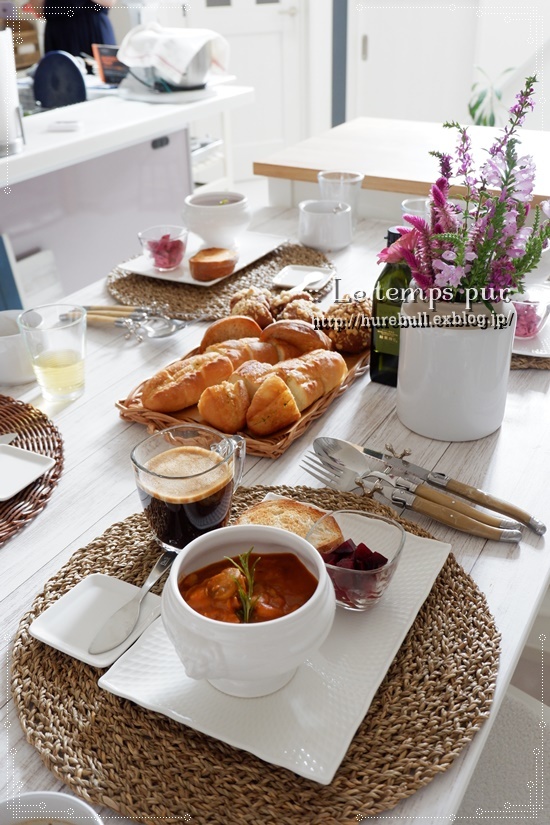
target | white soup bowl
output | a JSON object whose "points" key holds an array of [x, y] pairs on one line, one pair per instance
{"points": [[219, 218], [246, 659], [47, 806]]}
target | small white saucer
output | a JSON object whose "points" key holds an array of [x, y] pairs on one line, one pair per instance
{"points": [[72, 621], [19, 468], [293, 275]]}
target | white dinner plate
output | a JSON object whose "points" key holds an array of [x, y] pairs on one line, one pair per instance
{"points": [[71, 622], [18, 468], [308, 725], [293, 275], [252, 245]]}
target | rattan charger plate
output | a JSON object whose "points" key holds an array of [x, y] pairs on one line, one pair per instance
{"points": [[111, 752], [272, 446], [35, 432], [528, 362], [192, 303]]}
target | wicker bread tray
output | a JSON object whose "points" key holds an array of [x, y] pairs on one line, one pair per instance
{"points": [[35, 432], [112, 752], [271, 446]]}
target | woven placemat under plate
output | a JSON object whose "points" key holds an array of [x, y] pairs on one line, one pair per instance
{"points": [[436, 694], [528, 362], [35, 432], [192, 303]]}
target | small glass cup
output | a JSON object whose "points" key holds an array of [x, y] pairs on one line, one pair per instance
{"points": [[531, 317], [55, 337], [359, 589], [164, 245], [344, 187], [186, 476], [416, 206]]}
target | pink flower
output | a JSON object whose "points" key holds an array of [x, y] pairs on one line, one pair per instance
{"points": [[394, 254], [447, 274]]}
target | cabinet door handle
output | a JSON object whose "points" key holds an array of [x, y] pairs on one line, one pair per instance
{"points": [[364, 47], [292, 11]]}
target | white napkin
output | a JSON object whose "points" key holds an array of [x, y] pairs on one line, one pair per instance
{"points": [[170, 50]]}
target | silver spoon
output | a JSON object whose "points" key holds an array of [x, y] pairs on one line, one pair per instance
{"points": [[118, 627]]}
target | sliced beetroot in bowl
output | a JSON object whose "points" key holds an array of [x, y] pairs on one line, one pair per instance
{"points": [[347, 548], [347, 563]]}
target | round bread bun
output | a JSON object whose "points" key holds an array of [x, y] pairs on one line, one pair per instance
{"points": [[298, 333], [354, 336], [296, 517], [234, 326], [213, 263]]}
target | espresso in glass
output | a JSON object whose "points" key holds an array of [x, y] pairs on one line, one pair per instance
{"points": [[181, 509], [186, 477]]}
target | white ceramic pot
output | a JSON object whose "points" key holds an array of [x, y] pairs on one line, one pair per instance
{"points": [[325, 225], [15, 362], [46, 806], [246, 659], [219, 218], [452, 381]]}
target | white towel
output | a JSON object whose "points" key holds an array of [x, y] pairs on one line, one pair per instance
{"points": [[170, 50]]}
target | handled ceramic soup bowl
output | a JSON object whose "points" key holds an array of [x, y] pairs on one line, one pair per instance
{"points": [[246, 659]]}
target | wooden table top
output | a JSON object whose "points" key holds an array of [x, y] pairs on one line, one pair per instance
{"points": [[97, 489], [393, 155]]}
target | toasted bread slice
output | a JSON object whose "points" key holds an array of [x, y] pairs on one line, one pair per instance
{"points": [[296, 517]]}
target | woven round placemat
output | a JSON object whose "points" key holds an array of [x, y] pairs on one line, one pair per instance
{"points": [[192, 303], [434, 697], [35, 432], [527, 362]]}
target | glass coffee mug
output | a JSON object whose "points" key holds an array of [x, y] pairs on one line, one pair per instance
{"points": [[186, 476]]}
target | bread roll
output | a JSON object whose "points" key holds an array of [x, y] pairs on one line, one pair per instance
{"points": [[312, 375], [284, 350], [272, 407], [210, 264], [245, 349], [296, 517], [224, 406], [182, 383], [237, 326], [298, 333], [257, 310], [252, 373]]}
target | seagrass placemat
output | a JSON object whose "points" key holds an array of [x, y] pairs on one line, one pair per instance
{"points": [[35, 432], [111, 752], [192, 303], [528, 362]]}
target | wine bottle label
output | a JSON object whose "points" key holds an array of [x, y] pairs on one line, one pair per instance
{"points": [[385, 335]]}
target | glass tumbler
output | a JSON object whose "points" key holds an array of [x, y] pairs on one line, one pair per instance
{"points": [[344, 187], [55, 337]]}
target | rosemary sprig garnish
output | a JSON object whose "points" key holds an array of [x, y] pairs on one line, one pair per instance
{"points": [[247, 598]]}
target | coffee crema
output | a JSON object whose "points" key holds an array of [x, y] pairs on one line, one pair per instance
{"points": [[190, 494]]}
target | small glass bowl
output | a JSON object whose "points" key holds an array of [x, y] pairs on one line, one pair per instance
{"points": [[360, 589], [164, 245], [531, 317]]}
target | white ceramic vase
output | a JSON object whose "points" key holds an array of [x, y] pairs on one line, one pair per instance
{"points": [[452, 381]]}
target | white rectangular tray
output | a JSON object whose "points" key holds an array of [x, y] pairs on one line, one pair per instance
{"points": [[251, 247], [308, 725]]}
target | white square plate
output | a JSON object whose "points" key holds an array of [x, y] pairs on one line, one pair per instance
{"points": [[308, 725], [72, 621], [19, 468], [252, 245]]}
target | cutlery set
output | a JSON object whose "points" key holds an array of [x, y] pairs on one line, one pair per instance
{"points": [[347, 467], [149, 321]]}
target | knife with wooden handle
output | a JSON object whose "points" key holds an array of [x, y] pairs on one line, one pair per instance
{"points": [[445, 515], [438, 497], [405, 467]]}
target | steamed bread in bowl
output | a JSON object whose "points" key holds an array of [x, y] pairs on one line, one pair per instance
{"points": [[260, 657]]}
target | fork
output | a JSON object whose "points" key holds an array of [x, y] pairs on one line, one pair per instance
{"points": [[417, 497]]}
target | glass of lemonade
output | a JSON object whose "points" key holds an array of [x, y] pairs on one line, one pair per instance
{"points": [[55, 336]]}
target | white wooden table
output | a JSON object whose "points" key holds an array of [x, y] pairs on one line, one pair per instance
{"points": [[96, 489]]}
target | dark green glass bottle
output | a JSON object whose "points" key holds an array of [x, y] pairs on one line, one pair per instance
{"points": [[384, 348]]}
